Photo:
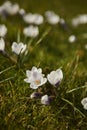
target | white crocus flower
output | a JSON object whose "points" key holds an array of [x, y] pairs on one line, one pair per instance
{"points": [[33, 18], [55, 77], [39, 19], [72, 38], [10, 8], [80, 19], [18, 48], [84, 103], [6, 4], [75, 22], [45, 100], [22, 12], [31, 31], [3, 30], [51, 17], [2, 44], [14, 9], [35, 78]]}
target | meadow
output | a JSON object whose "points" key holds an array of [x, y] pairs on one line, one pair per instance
{"points": [[50, 50]]}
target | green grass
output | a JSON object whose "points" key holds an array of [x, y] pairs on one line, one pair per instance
{"points": [[51, 50]]}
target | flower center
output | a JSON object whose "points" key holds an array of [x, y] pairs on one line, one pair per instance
{"points": [[37, 82]]}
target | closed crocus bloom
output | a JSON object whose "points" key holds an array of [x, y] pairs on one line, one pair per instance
{"points": [[72, 38], [33, 18], [39, 19], [35, 78], [55, 77], [51, 17], [35, 95], [18, 48], [84, 103], [22, 12], [3, 30], [31, 31], [45, 100], [2, 44]]}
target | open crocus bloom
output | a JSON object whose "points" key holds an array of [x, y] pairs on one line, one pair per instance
{"points": [[45, 100], [84, 103], [55, 77], [35, 78], [31, 31], [51, 17], [2, 44], [18, 48], [3, 30], [33, 18]]}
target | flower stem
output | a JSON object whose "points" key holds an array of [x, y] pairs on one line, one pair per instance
{"points": [[5, 54]]}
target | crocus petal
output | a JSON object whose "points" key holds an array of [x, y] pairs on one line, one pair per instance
{"points": [[40, 70], [85, 106], [33, 86], [3, 30], [60, 73], [45, 100], [28, 73], [27, 80], [2, 44], [84, 101]]}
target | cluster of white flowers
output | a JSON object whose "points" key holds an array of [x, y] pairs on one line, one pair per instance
{"points": [[80, 19], [84, 103], [51, 17], [36, 79], [9, 8], [33, 19]]}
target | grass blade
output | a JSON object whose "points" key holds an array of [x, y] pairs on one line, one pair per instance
{"points": [[6, 79], [43, 36], [75, 89], [7, 69], [67, 101]]}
